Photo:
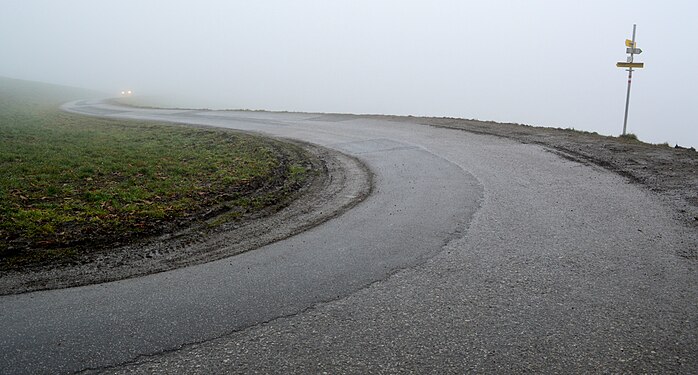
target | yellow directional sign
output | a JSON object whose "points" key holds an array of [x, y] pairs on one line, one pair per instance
{"points": [[630, 65], [629, 43]]}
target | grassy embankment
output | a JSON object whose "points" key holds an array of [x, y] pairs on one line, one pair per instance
{"points": [[71, 184]]}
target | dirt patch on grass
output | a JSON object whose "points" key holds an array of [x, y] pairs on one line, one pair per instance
{"points": [[335, 183]]}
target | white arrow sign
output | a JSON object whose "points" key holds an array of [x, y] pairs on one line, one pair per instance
{"points": [[634, 51]]}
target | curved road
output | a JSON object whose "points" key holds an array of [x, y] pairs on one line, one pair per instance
{"points": [[474, 253]]}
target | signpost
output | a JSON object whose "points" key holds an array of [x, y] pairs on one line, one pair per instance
{"points": [[631, 50], [630, 65]]}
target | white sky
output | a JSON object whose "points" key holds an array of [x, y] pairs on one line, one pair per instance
{"points": [[538, 62]]}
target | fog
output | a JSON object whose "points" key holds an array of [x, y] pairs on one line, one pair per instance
{"points": [[549, 63]]}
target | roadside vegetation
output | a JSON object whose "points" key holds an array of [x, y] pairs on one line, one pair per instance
{"points": [[71, 184]]}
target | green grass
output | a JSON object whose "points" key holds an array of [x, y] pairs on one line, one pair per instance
{"points": [[68, 181]]}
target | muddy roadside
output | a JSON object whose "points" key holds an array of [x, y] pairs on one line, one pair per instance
{"points": [[338, 182]]}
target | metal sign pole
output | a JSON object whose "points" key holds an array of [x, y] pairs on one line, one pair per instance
{"points": [[630, 79], [627, 100]]}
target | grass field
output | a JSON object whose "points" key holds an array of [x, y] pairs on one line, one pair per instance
{"points": [[70, 183]]}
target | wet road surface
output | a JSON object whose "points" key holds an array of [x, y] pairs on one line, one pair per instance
{"points": [[473, 253]]}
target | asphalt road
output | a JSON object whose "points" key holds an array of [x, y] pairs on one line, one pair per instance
{"points": [[473, 254]]}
